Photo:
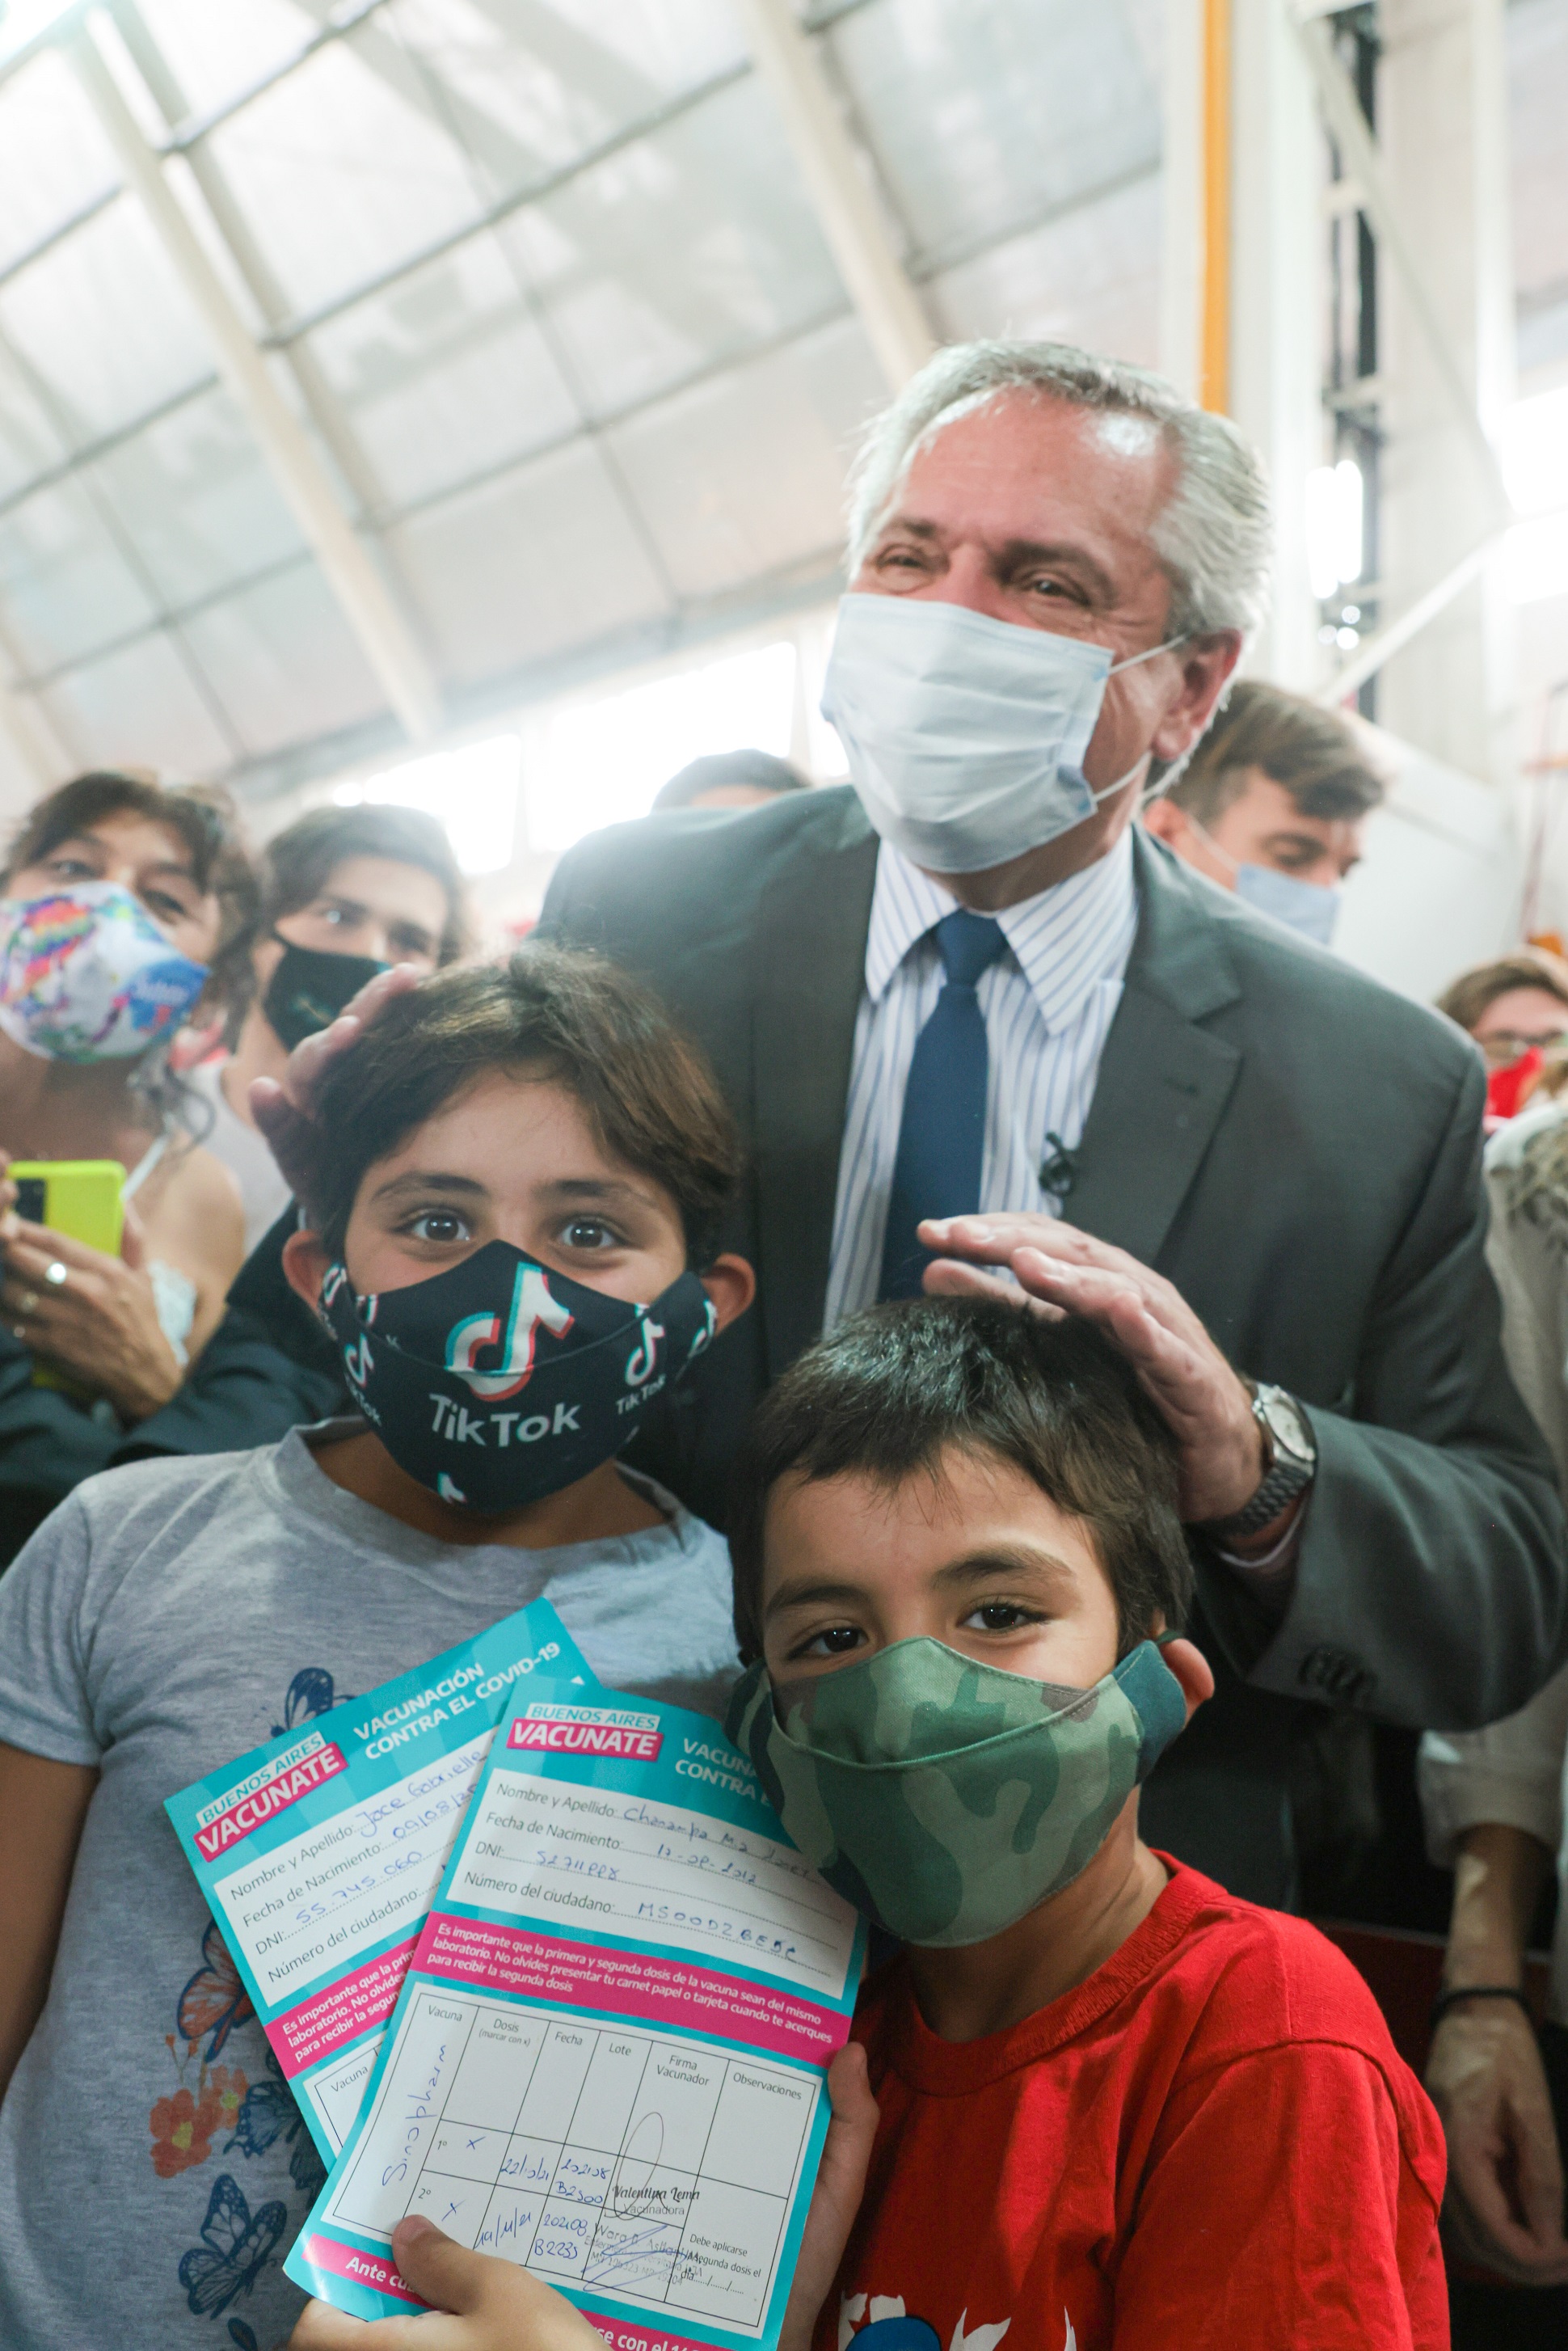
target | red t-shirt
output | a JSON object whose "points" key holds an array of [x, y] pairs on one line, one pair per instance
{"points": [[1210, 2142]]}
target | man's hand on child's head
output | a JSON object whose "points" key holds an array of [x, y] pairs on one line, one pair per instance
{"points": [[1062, 1271], [477, 2304], [284, 1110]]}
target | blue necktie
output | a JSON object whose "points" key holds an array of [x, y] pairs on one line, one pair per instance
{"points": [[941, 1135]]}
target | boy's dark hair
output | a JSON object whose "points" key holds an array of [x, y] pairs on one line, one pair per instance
{"points": [[297, 863], [550, 1012], [1312, 753], [895, 1388]]}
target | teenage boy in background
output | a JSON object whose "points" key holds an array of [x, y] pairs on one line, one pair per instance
{"points": [[344, 893], [520, 1175], [1273, 805], [1120, 2109]]}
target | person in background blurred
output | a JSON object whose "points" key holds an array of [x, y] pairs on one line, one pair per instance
{"points": [[344, 893], [1494, 1805], [1273, 805], [1516, 1003], [730, 779], [118, 898]]}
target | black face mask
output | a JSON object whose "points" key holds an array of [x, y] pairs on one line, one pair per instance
{"points": [[310, 987], [500, 1381]]}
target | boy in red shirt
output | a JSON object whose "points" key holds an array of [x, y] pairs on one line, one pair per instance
{"points": [[1119, 2109], [1118, 2106]]}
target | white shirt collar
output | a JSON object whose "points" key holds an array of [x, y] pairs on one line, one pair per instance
{"points": [[1065, 940]]}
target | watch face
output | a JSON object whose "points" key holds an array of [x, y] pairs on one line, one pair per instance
{"points": [[1286, 1423]]}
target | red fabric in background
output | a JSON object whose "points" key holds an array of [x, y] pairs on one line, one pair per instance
{"points": [[1506, 1089], [1211, 2144]]}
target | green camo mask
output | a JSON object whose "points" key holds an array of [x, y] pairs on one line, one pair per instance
{"points": [[946, 1798]]}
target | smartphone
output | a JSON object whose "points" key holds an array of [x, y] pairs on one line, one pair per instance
{"points": [[79, 1198]]}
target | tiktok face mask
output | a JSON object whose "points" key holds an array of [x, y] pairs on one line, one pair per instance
{"points": [[500, 1381], [965, 735], [945, 1798], [85, 975]]}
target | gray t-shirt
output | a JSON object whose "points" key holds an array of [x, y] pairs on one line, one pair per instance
{"points": [[166, 1618]]}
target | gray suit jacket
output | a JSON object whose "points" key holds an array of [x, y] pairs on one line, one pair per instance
{"points": [[1297, 1149]]}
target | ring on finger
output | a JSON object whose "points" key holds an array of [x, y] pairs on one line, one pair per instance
{"points": [[18, 1330], [28, 1303], [57, 1273]]}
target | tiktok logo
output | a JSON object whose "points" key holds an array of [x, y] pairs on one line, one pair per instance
{"points": [[643, 1360], [532, 1310]]}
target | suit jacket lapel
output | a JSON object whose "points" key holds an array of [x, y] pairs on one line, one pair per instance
{"points": [[810, 973], [1163, 1080]]}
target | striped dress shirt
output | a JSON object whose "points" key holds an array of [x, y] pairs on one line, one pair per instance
{"points": [[1048, 1004]]}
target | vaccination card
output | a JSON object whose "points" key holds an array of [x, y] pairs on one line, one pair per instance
{"points": [[322, 1851], [608, 2057]]}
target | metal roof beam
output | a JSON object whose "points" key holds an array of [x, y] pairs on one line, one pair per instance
{"points": [[383, 635], [846, 206]]}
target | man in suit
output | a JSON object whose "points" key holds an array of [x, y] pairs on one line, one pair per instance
{"points": [[972, 984]]}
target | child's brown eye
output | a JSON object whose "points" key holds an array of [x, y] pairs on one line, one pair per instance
{"points": [[587, 1233], [439, 1225]]}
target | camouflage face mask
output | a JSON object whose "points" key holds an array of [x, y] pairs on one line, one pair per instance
{"points": [[946, 1798]]}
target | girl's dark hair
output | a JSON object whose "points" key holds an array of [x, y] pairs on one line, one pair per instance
{"points": [[549, 1012], [297, 863], [892, 1390], [205, 821]]}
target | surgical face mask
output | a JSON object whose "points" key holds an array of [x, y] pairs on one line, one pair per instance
{"points": [[85, 975], [946, 1798], [1308, 907], [965, 735], [500, 1380], [310, 987]]}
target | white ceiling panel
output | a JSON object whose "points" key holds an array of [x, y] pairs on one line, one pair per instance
{"points": [[445, 375], [1090, 277], [982, 113], [138, 708], [53, 158], [104, 325], [721, 519], [66, 586], [530, 566], [219, 47], [345, 169], [194, 494], [283, 663], [683, 251]]}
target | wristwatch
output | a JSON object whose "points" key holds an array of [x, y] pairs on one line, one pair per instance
{"points": [[1289, 1452]]}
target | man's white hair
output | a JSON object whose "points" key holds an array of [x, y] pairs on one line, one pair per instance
{"points": [[1212, 535]]}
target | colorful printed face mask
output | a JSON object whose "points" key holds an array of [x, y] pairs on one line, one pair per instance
{"points": [[85, 975], [310, 987], [499, 1380], [945, 1798]]}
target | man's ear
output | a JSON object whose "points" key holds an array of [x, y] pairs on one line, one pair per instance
{"points": [[729, 1283], [1206, 665], [305, 1264], [1192, 1670], [1166, 821]]}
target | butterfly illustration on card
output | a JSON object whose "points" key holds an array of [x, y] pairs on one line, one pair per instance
{"points": [[236, 2245], [310, 1693], [214, 2001], [268, 2108]]}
